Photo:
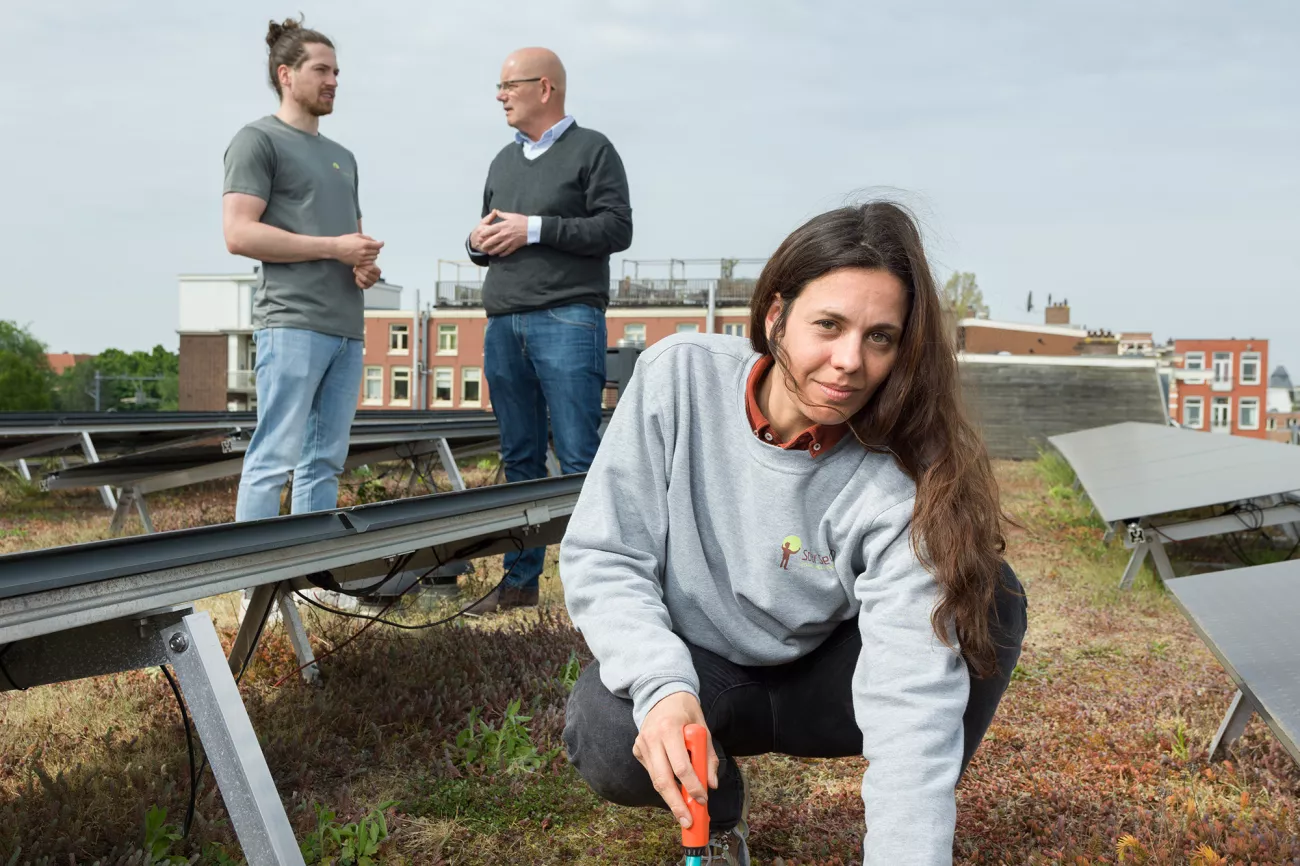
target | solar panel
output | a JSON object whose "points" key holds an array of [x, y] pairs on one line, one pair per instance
{"points": [[1135, 470], [1248, 620]]}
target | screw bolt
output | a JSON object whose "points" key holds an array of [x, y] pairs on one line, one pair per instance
{"points": [[179, 642]]}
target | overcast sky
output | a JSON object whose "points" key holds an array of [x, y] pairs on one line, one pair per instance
{"points": [[1140, 159]]}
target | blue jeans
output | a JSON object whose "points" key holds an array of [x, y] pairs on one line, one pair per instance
{"points": [[307, 389], [546, 359]]}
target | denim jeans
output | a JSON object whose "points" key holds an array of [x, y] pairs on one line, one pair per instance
{"points": [[803, 708], [534, 362], [307, 389]]}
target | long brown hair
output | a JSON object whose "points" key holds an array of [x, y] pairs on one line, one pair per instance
{"points": [[916, 414], [287, 45]]}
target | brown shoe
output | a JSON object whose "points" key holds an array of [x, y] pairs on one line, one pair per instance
{"points": [[505, 598]]}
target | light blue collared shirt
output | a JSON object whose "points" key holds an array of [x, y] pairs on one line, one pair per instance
{"points": [[534, 149]]}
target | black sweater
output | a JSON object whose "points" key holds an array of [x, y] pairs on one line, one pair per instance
{"points": [[579, 189]]}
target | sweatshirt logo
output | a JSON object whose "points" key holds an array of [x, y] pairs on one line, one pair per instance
{"points": [[792, 544]]}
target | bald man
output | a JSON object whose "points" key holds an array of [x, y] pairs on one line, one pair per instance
{"points": [[555, 208]]}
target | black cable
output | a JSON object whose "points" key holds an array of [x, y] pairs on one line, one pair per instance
{"points": [[460, 554], [189, 748], [4, 670], [398, 564]]}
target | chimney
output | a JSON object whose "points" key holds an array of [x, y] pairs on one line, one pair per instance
{"points": [[1101, 342], [1058, 314]]}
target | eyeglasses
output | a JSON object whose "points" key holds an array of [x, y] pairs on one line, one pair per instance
{"points": [[514, 82]]}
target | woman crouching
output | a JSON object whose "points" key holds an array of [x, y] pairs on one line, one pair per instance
{"points": [[795, 540]]}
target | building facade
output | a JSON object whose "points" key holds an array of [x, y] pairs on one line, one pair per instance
{"points": [[1220, 386], [426, 359]]}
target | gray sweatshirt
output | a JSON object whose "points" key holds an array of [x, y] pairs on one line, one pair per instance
{"points": [[679, 536]]}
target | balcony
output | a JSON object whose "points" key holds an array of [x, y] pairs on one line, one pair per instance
{"points": [[241, 380]]}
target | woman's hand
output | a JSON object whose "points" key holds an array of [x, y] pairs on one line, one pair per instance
{"points": [[661, 749]]}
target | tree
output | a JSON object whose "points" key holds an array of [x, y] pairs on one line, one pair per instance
{"points": [[127, 381], [962, 296], [26, 381]]}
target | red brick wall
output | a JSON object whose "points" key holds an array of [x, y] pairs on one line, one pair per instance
{"points": [[979, 340], [202, 379], [1206, 391]]}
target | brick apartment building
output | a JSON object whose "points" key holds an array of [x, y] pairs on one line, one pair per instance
{"points": [[431, 358], [1220, 386]]}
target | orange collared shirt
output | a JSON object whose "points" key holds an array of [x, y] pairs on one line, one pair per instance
{"points": [[816, 440]]}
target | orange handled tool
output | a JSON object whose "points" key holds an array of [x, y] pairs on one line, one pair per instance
{"points": [[695, 839]]}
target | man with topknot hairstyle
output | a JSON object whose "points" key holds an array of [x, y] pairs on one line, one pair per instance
{"points": [[291, 202]]}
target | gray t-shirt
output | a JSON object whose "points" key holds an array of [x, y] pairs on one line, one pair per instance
{"points": [[309, 184]]}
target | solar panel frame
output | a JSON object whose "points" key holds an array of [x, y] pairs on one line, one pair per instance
{"points": [[1134, 470], [1248, 619]]}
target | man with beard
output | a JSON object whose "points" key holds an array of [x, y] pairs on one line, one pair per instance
{"points": [[290, 201]]}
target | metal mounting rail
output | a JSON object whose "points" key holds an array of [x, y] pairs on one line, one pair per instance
{"points": [[123, 604]]}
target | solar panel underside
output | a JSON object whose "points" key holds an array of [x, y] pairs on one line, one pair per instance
{"points": [[1134, 470], [1247, 617]]}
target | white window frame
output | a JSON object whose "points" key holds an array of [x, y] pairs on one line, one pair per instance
{"points": [[1199, 404], [399, 338], [734, 329], [632, 327], [450, 374], [1256, 358], [366, 379], [1244, 403], [477, 379], [687, 328], [451, 346], [1200, 361], [393, 379], [1271, 424], [1221, 361], [1225, 402]]}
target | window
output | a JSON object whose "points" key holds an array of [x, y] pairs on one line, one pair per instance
{"points": [[1248, 413], [448, 339], [1221, 415], [374, 386], [399, 339], [471, 386], [1272, 423], [1250, 368], [1223, 366], [1193, 412], [735, 329], [688, 328], [442, 386], [634, 332], [401, 385], [1194, 361]]}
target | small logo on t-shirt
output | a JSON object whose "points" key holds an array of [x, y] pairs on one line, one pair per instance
{"points": [[336, 167], [792, 544]]}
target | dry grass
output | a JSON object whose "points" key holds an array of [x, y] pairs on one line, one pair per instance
{"points": [[1097, 754]]}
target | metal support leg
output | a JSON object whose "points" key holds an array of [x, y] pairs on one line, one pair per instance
{"points": [[1134, 566], [88, 451], [120, 512], [1233, 724], [1160, 557], [122, 507], [143, 508], [23, 470], [449, 464], [247, 788], [298, 635], [258, 610], [187, 641], [552, 463]]}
